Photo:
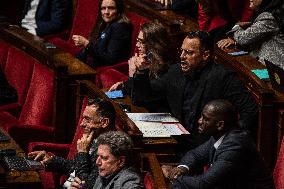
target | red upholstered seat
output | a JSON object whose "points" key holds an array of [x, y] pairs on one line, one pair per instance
{"points": [[278, 174], [35, 121], [110, 76], [38, 107], [148, 181], [51, 180], [83, 22], [18, 71]]}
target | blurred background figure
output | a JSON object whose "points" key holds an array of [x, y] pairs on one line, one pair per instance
{"points": [[110, 40], [264, 35], [46, 17]]}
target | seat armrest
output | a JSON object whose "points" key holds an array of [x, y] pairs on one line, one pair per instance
{"points": [[13, 108], [153, 169], [61, 150]]}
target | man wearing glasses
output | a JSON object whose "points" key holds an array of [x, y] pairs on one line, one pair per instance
{"points": [[98, 117], [192, 83]]}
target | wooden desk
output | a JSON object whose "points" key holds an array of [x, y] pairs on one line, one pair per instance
{"points": [[17, 179], [163, 147]]}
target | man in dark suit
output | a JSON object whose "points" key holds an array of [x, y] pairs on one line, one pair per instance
{"points": [[188, 86], [44, 17], [233, 160]]}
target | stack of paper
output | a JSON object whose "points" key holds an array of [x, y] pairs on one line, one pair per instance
{"points": [[157, 124]]}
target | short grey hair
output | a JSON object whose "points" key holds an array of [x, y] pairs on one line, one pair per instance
{"points": [[120, 144]]}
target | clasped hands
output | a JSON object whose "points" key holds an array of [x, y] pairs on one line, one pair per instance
{"points": [[172, 172], [80, 40]]}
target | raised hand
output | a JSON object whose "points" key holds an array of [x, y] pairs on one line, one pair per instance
{"points": [[83, 144]]}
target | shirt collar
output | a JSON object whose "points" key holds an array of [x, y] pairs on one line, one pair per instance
{"points": [[218, 142]]}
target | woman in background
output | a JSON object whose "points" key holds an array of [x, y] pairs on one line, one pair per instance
{"points": [[154, 48], [154, 52], [110, 40], [264, 36]]}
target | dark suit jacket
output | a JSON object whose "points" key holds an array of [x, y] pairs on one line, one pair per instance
{"points": [[51, 15], [236, 164], [213, 81], [113, 46]]}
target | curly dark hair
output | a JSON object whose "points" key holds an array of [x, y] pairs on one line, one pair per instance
{"points": [[120, 144]]}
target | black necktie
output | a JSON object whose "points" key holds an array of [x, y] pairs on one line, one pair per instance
{"points": [[211, 154]]}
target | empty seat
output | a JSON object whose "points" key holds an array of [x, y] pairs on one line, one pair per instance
{"points": [[18, 71], [36, 116]]}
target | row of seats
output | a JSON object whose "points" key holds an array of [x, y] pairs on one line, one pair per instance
{"points": [[32, 114], [35, 84], [21, 113]]}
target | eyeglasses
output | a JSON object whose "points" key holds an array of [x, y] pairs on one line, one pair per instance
{"points": [[139, 40], [90, 120]]}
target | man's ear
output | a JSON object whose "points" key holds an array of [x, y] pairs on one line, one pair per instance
{"points": [[122, 160], [206, 55], [105, 122], [220, 125]]}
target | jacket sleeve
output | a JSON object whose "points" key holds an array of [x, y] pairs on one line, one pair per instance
{"points": [[59, 165], [264, 26], [58, 14], [226, 164], [144, 91], [84, 169], [117, 47], [197, 157]]}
